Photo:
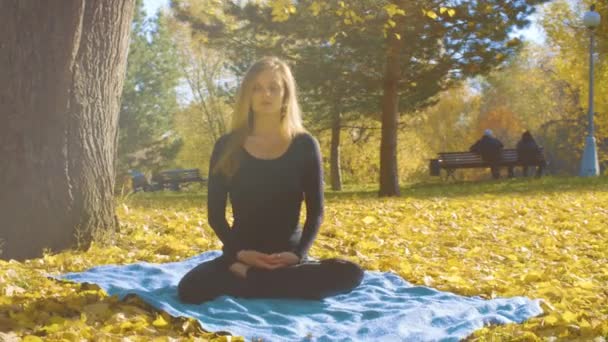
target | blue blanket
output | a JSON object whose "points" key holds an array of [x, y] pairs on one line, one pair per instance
{"points": [[383, 308]]}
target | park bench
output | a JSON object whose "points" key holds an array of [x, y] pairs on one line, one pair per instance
{"points": [[172, 179], [168, 179], [451, 161]]}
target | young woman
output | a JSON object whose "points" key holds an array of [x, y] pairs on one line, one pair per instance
{"points": [[268, 164]]}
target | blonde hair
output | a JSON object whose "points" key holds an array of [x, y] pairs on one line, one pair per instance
{"points": [[243, 117]]}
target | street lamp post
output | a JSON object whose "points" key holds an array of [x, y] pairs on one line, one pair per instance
{"points": [[589, 163]]}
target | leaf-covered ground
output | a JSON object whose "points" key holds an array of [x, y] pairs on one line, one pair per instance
{"points": [[542, 238]]}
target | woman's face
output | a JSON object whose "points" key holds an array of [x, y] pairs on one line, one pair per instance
{"points": [[268, 93]]}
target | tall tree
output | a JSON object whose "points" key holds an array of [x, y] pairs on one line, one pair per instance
{"points": [[62, 70], [149, 97], [449, 125], [417, 49], [569, 41], [206, 77], [529, 90], [207, 89], [431, 45]]}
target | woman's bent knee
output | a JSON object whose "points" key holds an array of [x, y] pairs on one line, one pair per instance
{"points": [[192, 290], [202, 283], [186, 292], [348, 274]]}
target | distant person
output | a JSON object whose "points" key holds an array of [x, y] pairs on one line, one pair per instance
{"points": [[490, 150], [138, 181], [527, 151]]}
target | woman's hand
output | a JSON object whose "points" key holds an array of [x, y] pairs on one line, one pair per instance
{"points": [[286, 258], [239, 269], [267, 261], [258, 259]]}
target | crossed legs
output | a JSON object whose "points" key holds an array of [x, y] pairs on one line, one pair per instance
{"points": [[310, 280]]}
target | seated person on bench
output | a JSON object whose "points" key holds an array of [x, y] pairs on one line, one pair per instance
{"points": [[527, 153], [138, 181], [267, 165], [490, 150]]}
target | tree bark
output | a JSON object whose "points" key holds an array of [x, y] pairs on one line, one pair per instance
{"points": [[62, 68], [389, 181], [335, 169]]}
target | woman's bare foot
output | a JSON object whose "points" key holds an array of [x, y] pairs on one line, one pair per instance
{"points": [[239, 269]]}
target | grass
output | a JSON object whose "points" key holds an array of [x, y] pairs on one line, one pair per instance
{"points": [[542, 238]]}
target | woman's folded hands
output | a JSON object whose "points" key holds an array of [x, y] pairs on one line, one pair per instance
{"points": [[251, 258], [267, 261]]}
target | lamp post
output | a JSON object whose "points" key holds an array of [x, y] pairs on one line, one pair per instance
{"points": [[589, 164]]}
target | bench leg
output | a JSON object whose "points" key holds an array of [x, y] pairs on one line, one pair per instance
{"points": [[450, 173], [539, 171], [495, 172]]}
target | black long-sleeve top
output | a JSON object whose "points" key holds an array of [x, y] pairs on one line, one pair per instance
{"points": [[489, 148], [266, 197]]}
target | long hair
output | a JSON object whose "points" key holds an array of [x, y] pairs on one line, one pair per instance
{"points": [[243, 119]]}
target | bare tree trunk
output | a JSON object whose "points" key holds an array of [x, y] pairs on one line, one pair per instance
{"points": [[335, 169], [389, 181], [62, 68]]}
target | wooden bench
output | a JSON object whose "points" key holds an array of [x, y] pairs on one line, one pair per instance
{"points": [[451, 161], [171, 179]]}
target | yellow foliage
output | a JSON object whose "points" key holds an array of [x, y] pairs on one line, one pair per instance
{"points": [[160, 322], [282, 9], [392, 10], [430, 14], [542, 239], [316, 7]]}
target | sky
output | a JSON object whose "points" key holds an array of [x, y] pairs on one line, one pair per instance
{"points": [[152, 6], [532, 33]]}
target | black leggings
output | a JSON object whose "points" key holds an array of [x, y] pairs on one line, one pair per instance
{"points": [[309, 280]]}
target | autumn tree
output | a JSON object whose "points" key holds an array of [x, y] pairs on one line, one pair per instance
{"points": [[423, 47], [504, 124], [206, 92], [62, 68], [149, 97], [207, 80], [569, 41], [446, 42], [428, 47], [450, 124], [529, 94]]}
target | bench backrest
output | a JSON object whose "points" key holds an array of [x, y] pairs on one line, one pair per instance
{"points": [[509, 155], [181, 175]]}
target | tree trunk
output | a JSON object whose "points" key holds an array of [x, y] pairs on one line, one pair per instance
{"points": [[335, 169], [389, 181], [62, 68]]}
